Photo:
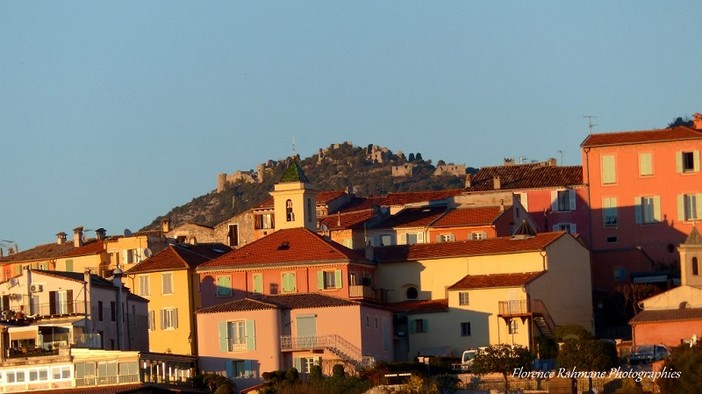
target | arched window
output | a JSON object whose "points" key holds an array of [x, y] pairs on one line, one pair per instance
{"points": [[695, 266], [289, 211], [412, 293]]}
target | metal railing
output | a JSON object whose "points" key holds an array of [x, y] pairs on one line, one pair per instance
{"points": [[364, 291], [513, 307], [335, 343], [25, 310]]}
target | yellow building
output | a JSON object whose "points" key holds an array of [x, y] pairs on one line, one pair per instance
{"points": [[501, 290], [130, 249], [168, 280]]}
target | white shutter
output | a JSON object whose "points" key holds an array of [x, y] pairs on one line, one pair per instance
{"points": [[571, 197], [696, 155], [554, 200], [698, 206], [573, 230], [681, 207], [678, 162], [420, 237], [657, 208]]}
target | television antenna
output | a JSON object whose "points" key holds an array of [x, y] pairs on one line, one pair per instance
{"points": [[590, 125]]}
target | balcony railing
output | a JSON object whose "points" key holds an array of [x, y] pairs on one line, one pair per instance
{"points": [[513, 308], [364, 291], [25, 310]]}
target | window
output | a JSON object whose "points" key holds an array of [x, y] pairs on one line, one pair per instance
{"points": [[167, 283], [169, 318], [264, 221], [611, 239], [289, 284], [465, 329], [619, 274], [132, 256], [305, 364], [144, 286], [237, 335], [513, 325], [309, 210], [445, 238], [523, 199], [113, 311], [61, 302], [412, 293], [224, 286], [609, 174], [478, 235], [609, 211], [240, 369], [414, 238], [69, 265], [695, 266], [289, 214], [688, 161], [152, 320], [419, 326], [258, 283], [100, 311], [645, 164], [647, 209], [233, 235], [462, 298], [563, 200], [329, 279], [690, 206], [385, 240], [567, 227]]}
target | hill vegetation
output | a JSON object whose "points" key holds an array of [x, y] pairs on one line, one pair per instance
{"points": [[366, 171]]}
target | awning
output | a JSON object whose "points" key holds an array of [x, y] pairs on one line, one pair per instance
{"points": [[20, 333]]}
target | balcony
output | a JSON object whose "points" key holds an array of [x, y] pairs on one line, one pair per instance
{"points": [[365, 292], [534, 309], [335, 344]]}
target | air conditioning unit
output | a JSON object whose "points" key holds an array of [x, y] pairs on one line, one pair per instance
{"points": [[36, 288]]}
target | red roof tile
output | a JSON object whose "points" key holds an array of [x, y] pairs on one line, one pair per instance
{"points": [[91, 247], [321, 197], [413, 197], [654, 316], [347, 220], [280, 301], [679, 133], [502, 245], [41, 252], [495, 280], [180, 256], [412, 217], [420, 306], [290, 246], [469, 217], [526, 176]]}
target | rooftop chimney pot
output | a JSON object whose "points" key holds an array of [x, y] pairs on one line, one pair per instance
{"points": [[697, 121], [496, 183]]}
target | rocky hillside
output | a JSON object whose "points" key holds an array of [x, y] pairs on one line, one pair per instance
{"points": [[367, 171]]}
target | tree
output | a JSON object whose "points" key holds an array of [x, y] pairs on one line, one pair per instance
{"points": [[588, 354], [411, 157], [681, 121], [503, 359], [684, 362], [418, 157]]}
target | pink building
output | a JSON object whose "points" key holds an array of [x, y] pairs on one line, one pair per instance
{"points": [[645, 194], [258, 334]]}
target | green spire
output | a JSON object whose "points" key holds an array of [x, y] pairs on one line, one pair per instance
{"points": [[294, 174]]}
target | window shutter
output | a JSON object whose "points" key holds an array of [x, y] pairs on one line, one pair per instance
{"points": [[657, 208], [337, 279], [52, 302], [678, 162], [248, 368], [637, 210], [163, 318], [174, 323], [297, 364], [696, 155], [223, 339], [698, 206], [438, 238], [250, 335], [229, 365], [425, 325], [573, 230], [412, 326], [571, 197], [554, 200], [681, 207], [69, 300], [258, 283], [420, 238], [320, 280]]}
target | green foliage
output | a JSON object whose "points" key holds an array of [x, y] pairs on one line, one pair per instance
{"points": [[338, 371], [571, 331], [503, 359], [447, 384], [588, 355], [418, 385], [681, 121], [688, 361], [214, 383], [292, 375]]}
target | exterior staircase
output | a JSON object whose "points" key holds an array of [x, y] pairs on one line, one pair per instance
{"points": [[524, 309], [542, 318], [335, 344]]}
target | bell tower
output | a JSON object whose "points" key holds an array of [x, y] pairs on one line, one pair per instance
{"points": [[691, 259], [294, 200]]}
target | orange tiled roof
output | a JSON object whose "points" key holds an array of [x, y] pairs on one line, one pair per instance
{"points": [[412, 217], [420, 306], [321, 197], [526, 176], [91, 247], [110, 389], [469, 217], [41, 252], [95, 280], [279, 301], [649, 316], [495, 280], [412, 197], [679, 133], [347, 220], [289, 246], [501, 245], [180, 256]]}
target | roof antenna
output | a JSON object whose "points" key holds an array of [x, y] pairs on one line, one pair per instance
{"points": [[590, 125], [293, 148]]}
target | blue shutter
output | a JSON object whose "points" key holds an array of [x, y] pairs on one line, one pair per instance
{"points": [[223, 337], [229, 365], [425, 325], [248, 369], [250, 335], [571, 198], [637, 210], [337, 279], [412, 326]]}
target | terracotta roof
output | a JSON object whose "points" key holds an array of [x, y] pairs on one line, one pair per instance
{"points": [[41, 252], [412, 217], [653, 316], [321, 198], [501, 245], [91, 247], [495, 280], [279, 301], [95, 280], [469, 217], [180, 256], [294, 174], [420, 306], [412, 197], [128, 388], [289, 246], [526, 176], [347, 220], [694, 238], [679, 133]]}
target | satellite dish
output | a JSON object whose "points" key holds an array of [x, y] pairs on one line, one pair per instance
{"points": [[127, 232], [323, 228], [83, 238], [148, 253]]}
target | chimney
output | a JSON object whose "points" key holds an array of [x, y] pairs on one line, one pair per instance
{"points": [[496, 183], [100, 233], [551, 162], [468, 181], [165, 225], [78, 237], [61, 238], [2, 254], [697, 121]]}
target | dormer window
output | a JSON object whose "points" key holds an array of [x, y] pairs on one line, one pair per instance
{"points": [[289, 214]]}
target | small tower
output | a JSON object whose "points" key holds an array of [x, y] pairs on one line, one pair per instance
{"points": [[691, 259], [294, 200]]}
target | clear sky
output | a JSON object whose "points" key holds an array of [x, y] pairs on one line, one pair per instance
{"points": [[113, 112]]}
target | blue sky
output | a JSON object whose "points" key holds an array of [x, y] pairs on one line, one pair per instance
{"points": [[111, 113]]}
